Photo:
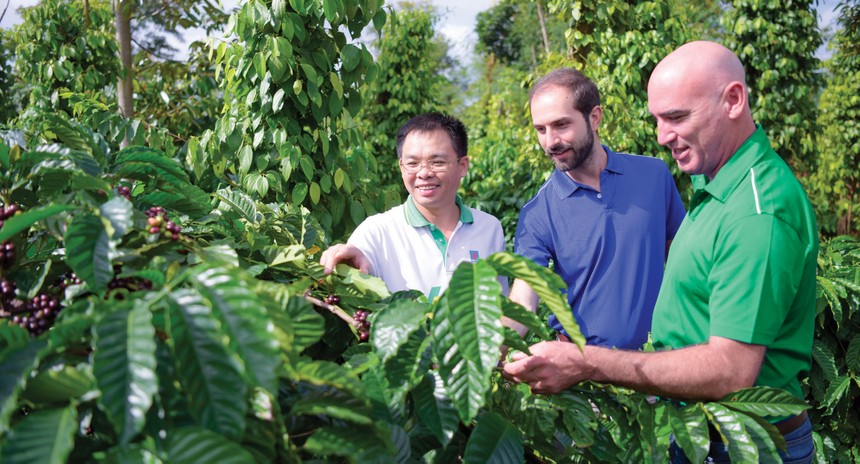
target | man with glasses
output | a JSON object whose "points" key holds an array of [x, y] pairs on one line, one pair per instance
{"points": [[604, 219], [420, 243]]}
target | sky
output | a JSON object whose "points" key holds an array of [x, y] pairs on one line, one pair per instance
{"points": [[457, 22]]}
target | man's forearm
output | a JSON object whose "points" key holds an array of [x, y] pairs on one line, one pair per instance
{"points": [[701, 372], [522, 294]]}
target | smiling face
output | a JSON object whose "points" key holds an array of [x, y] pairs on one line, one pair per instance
{"points": [[432, 192], [689, 124], [565, 134], [697, 96]]}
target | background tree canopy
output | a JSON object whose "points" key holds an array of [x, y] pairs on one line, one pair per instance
{"points": [[162, 218]]}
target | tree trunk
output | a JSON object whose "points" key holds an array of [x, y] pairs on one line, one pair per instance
{"points": [[543, 27], [87, 13], [124, 88]]}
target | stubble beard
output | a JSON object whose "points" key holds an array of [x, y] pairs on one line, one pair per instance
{"points": [[581, 151]]}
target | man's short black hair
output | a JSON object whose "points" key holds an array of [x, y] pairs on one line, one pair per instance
{"points": [[430, 122], [584, 91]]}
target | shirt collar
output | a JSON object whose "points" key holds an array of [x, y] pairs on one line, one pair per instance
{"points": [[415, 219], [736, 168], [565, 186]]}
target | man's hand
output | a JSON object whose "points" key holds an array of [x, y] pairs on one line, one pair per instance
{"points": [[346, 254], [552, 367]]}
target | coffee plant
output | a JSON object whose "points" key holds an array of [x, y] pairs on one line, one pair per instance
{"points": [[834, 383], [163, 303], [229, 344]]}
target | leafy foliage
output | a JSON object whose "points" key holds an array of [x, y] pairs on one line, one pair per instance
{"points": [[409, 83], [777, 44], [834, 382], [61, 46], [214, 343], [292, 85], [835, 183], [618, 44], [507, 33]]}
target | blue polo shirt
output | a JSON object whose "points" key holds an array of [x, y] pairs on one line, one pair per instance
{"points": [[609, 246]]}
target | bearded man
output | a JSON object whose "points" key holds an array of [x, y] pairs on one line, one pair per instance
{"points": [[604, 219]]}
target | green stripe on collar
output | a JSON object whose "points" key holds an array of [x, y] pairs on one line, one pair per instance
{"points": [[415, 219]]}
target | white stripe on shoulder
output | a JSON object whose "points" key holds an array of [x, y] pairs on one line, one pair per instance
{"points": [[541, 189], [755, 191]]}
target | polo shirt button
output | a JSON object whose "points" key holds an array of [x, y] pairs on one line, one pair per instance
{"points": [[599, 195]]}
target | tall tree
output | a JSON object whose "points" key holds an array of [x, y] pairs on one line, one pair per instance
{"points": [[507, 32], [777, 41], [8, 95], [835, 182], [124, 88], [59, 47], [292, 87]]}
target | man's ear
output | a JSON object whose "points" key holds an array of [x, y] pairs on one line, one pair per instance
{"points": [[595, 117], [463, 164], [735, 99]]}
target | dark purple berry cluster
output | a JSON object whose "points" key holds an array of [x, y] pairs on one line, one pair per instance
{"points": [[67, 280], [360, 317], [8, 211], [7, 254], [332, 299], [160, 223], [36, 315], [7, 248], [124, 190]]}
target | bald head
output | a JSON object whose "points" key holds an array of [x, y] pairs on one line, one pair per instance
{"points": [[705, 66], [698, 96]]}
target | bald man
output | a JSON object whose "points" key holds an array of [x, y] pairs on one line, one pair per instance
{"points": [[737, 301]]}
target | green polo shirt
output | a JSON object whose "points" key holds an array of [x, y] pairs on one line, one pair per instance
{"points": [[742, 266]]}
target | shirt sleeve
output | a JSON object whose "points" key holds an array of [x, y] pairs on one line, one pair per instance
{"points": [[366, 238], [529, 241], [497, 244], [756, 273]]}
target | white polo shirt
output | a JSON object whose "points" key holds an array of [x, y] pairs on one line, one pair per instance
{"points": [[408, 252]]}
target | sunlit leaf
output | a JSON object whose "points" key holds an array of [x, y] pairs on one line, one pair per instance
{"points": [[244, 320], [434, 408], [765, 401], [59, 385], [546, 283], [124, 367], [206, 369], [690, 427], [88, 249], [393, 325], [239, 202], [20, 222], [468, 332], [118, 211], [731, 427]]}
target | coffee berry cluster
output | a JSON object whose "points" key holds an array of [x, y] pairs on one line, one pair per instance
{"points": [[160, 223], [36, 315], [7, 248], [360, 317], [124, 190]]}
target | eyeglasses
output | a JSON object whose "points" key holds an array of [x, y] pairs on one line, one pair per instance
{"points": [[436, 165]]}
